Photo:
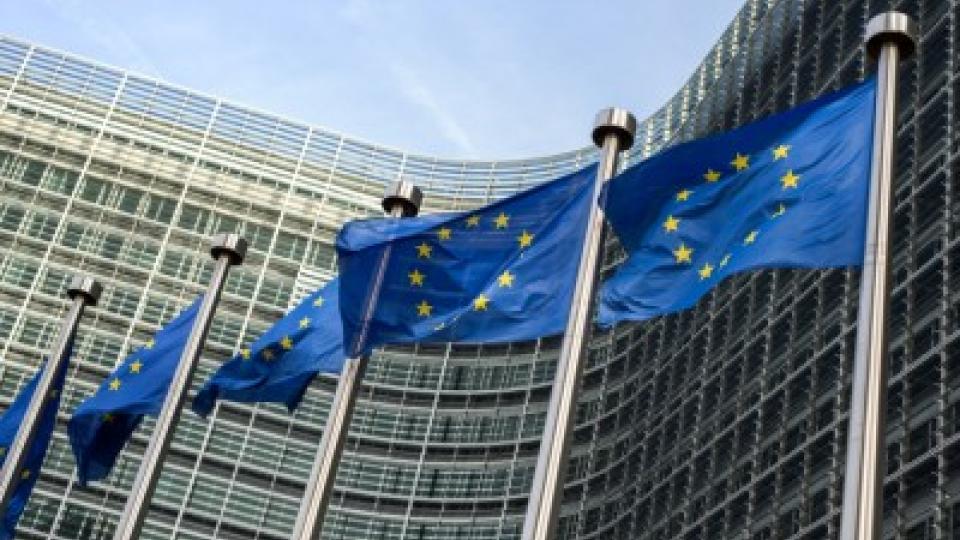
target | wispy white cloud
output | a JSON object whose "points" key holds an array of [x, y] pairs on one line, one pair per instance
{"points": [[413, 87], [358, 12], [503, 80], [377, 24], [114, 39]]}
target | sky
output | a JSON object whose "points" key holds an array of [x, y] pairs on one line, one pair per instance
{"points": [[466, 79]]}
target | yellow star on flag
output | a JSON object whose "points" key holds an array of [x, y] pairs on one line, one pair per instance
{"points": [[684, 195], [25, 474], [107, 417], [444, 233], [135, 366], [416, 278], [305, 322], [724, 260], [501, 221], [267, 355], [505, 279], [424, 308], [740, 162], [706, 271], [711, 175], [790, 180], [424, 250], [780, 211], [473, 221], [525, 239], [245, 353], [115, 384], [286, 343], [480, 303], [682, 254], [671, 224], [780, 152], [318, 302], [750, 238], [149, 344]]}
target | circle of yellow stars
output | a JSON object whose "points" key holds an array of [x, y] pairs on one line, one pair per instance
{"points": [[286, 343], [417, 278], [684, 254]]}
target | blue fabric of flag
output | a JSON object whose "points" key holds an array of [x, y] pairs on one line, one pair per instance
{"points": [[504, 272], [280, 364], [10, 423], [787, 191], [104, 422]]}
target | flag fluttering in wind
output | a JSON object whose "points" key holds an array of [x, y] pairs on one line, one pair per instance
{"points": [[504, 272], [104, 422], [787, 191], [10, 424], [280, 364]]}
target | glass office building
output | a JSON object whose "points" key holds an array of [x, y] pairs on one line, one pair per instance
{"points": [[725, 421]]}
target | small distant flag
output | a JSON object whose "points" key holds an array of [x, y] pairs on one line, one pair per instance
{"points": [[280, 364], [102, 424], [504, 272], [10, 424], [787, 191]]}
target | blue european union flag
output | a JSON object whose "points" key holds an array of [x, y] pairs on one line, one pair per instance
{"points": [[10, 423], [280, 364], [786, 191], [103, 423], [504, 272]]}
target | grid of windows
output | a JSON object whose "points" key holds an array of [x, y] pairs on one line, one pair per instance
{"points": [[126, 178], [725, 421], [729, 420]]}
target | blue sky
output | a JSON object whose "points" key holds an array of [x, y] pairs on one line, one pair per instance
{"points": [[489, 79]]}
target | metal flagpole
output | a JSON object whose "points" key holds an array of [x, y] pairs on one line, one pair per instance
{"points": [[82, 291], [890, 36], [401, 199], [613, 131], [228, 250]]}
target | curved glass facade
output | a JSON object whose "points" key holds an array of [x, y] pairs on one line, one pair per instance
{"points": [[725, 421]]}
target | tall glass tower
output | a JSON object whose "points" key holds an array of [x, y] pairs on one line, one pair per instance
{"points": [[725, 421]]}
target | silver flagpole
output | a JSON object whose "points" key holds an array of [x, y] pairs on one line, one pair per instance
{"points": [[228, 250], [613, 131], [401, 199], [890, 36], [83, 291]]}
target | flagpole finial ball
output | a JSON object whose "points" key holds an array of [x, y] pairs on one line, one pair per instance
{"points": [[229, 244], [404, 194], [617, 122], [86, 287], [891, 27]]}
